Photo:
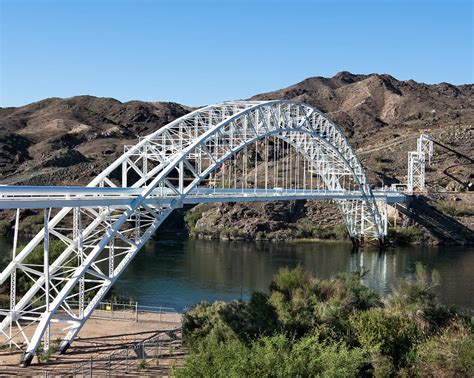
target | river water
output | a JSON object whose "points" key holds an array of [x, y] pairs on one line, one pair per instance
{"points": [[178, 272]]}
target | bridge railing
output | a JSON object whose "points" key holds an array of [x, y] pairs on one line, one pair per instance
{"points": [[130, 311]]}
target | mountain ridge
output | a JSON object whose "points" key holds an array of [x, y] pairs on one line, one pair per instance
{"points": [[371, 108]]}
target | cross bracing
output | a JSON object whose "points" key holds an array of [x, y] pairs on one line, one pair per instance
{"points": [[417, 163], [229, 152]]}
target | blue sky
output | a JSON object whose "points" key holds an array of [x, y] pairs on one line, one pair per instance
{"points": [[199, 52]]}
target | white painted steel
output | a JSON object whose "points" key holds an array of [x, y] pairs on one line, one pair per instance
{"points": [[417, 164], [27, 197]]}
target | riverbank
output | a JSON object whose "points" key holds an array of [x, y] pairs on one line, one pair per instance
{"points": [[438, 220]]}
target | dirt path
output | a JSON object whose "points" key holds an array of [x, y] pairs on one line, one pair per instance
{"points": [[152, 344]]}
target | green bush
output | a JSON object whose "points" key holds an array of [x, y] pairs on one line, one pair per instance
{"points": [[32, 224], [4, 228], [143, 364], [193, 215], [44, 355], [204, 320], [340, 231], [406, 235], [233, 233], [308, 229], [302, 302], [415, 294], [392, 335], [377, 156], [56, 247], [277, 356], [451, 353], [454, 209], [235, 320], [298, 304]]}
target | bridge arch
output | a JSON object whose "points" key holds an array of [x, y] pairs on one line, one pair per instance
{"points": [[191, 148]]}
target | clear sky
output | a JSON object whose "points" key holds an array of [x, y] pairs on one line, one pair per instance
{"points": [[203, 51]]}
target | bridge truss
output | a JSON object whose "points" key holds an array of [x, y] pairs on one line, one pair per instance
{"points": [[229, 152], [417, 163]]}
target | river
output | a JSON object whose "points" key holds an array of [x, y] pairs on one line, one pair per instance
{"points": [[178, 272]]}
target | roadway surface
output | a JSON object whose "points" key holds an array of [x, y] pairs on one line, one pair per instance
{"points": [[40, 197]]}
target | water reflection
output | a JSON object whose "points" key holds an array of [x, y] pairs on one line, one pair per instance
{"points": [[179, 272]]}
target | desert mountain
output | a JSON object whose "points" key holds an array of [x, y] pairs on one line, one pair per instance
{"points": [[68, 141], [374, 107]]}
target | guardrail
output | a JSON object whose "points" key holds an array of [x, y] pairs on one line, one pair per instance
{"points": [[132, 311], [12, 197]]}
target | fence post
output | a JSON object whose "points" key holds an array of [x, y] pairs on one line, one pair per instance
{"points": [[110, 361], [136, 311], [126, 360], [90, 367]]}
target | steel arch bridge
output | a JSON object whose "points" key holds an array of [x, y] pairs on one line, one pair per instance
{"points": [[228, 152]]}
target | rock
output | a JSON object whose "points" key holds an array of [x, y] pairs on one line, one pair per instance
{"points": [[65, 158]]}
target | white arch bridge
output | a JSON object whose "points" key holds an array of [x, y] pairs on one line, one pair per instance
{"points": [[229, 152]]}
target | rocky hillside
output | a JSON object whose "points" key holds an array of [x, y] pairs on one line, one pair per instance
{"points": [[378, 110], [68, 141]]}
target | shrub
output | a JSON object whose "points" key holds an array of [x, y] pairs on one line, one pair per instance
{"points": [[302, 302], [293, 300], [454, 209], [451, 353], [415, 294], [143, 364], [251, 320], [394, 336], [225, 321], [232, 233], [44, 355], [204, 320], [4, 228], [307, 228], [406, 235], [277, 356], [340, 231], [193, 215], [377, 156], [32, 224]]}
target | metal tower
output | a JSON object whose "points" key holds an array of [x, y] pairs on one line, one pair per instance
{"points": [[417, 163]]}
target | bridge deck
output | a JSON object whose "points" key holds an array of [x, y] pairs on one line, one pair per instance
{"points": [[39, 197]]}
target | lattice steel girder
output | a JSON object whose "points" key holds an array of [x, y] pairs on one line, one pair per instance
{"points": [[191, 147], [417, 163]]}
